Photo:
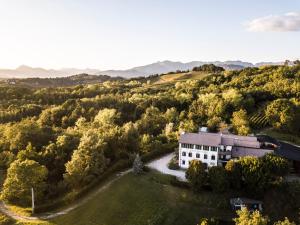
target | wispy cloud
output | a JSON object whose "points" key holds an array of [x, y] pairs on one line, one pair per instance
{"points": [[280, 23]]}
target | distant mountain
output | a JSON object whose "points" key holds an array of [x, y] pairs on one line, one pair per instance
{"points": [[153, 68]]}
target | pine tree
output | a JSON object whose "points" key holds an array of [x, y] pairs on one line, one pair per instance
{"points": [[137, 165]]}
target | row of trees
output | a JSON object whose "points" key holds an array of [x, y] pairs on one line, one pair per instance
{"points": [[254, 174]]}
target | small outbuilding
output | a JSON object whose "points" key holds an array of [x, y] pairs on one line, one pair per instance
{"points": [[250, 204]]}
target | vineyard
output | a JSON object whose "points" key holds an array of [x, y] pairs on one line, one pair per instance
{"points": [[258, 120]]}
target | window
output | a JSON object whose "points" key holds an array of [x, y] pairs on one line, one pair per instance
{"points": [[183, 153], [214, 149], [183, 162], [198, 147], [197, 155], [213, 157], [190, 154], [184, 145], [205, 147], [205, 156]]}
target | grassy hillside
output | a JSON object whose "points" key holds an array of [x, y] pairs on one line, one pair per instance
{"points": [[147, 199], [174, 77]]}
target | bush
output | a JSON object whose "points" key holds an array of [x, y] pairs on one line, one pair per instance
{"points": [[177, 183], [173, 164], [4, 220]]}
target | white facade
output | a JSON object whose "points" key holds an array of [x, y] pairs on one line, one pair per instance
{"points": [[206, 154]]}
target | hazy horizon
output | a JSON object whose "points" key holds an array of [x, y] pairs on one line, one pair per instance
{"points": [[124, 34]]}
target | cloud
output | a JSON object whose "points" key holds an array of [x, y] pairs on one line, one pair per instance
{"points": [[278, 23]]}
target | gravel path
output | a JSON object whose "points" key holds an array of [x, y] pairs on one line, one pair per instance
{"points": [[162, 166]]}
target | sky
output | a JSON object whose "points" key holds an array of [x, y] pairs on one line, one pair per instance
{"points": [[120, 34]]}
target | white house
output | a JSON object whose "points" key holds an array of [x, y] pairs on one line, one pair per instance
{"points": [[215, 149]]}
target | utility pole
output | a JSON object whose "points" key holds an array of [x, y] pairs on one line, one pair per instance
{"points": [[32, 198]]}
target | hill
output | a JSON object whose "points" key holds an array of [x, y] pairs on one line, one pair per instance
{"points": [[79, 79], [145, 70]]}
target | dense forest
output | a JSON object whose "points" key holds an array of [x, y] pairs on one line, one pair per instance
{"points": [[61, 139]]}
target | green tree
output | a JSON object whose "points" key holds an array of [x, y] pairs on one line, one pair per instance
{"points": [[107, 117], [21, 177], [87, 161], [196, 175], [240, 122], [254, 176], [234, 171], [284, 222], [283, 114], [245, 217], [218, 179], [275, 165]]}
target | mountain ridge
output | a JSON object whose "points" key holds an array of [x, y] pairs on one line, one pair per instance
{"points": [[159, 67]]}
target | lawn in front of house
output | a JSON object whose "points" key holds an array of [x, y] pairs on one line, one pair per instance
{"points": [[147, 199]]}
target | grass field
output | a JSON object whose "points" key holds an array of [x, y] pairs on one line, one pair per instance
{"points": [[172, 78], [294, 139], [147, 200]]}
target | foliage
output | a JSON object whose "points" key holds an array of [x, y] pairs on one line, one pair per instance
{"points": [[246, 217], [21, 177], [284, 114], [48, 123], [284, 222], [4, 220], [218, 179], [240, 122], [234, 171], [87, 161], [196, 175]]}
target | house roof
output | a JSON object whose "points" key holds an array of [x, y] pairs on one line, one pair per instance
{"points": [[237, 152], [215, 139], [202, 138], [246, 201]]}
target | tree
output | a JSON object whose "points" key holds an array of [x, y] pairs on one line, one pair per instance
{"points": [[284, 222], [234, 171], [196, 175], [275, 165], [21, 177], [240, 122], [283, 114], [213, 123], [107, 117], [247, 218], [137, 165], [211, 221], [218, 179], [130, 137], [254, 176], [87, 161]]}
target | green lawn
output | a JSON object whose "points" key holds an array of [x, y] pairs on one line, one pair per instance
{"points": [[147, 199]]}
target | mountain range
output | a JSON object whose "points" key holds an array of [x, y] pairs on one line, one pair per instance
{"points": [[153, 68]]}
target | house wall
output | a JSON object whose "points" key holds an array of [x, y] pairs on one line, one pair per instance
{"points": [[185, 160]]}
